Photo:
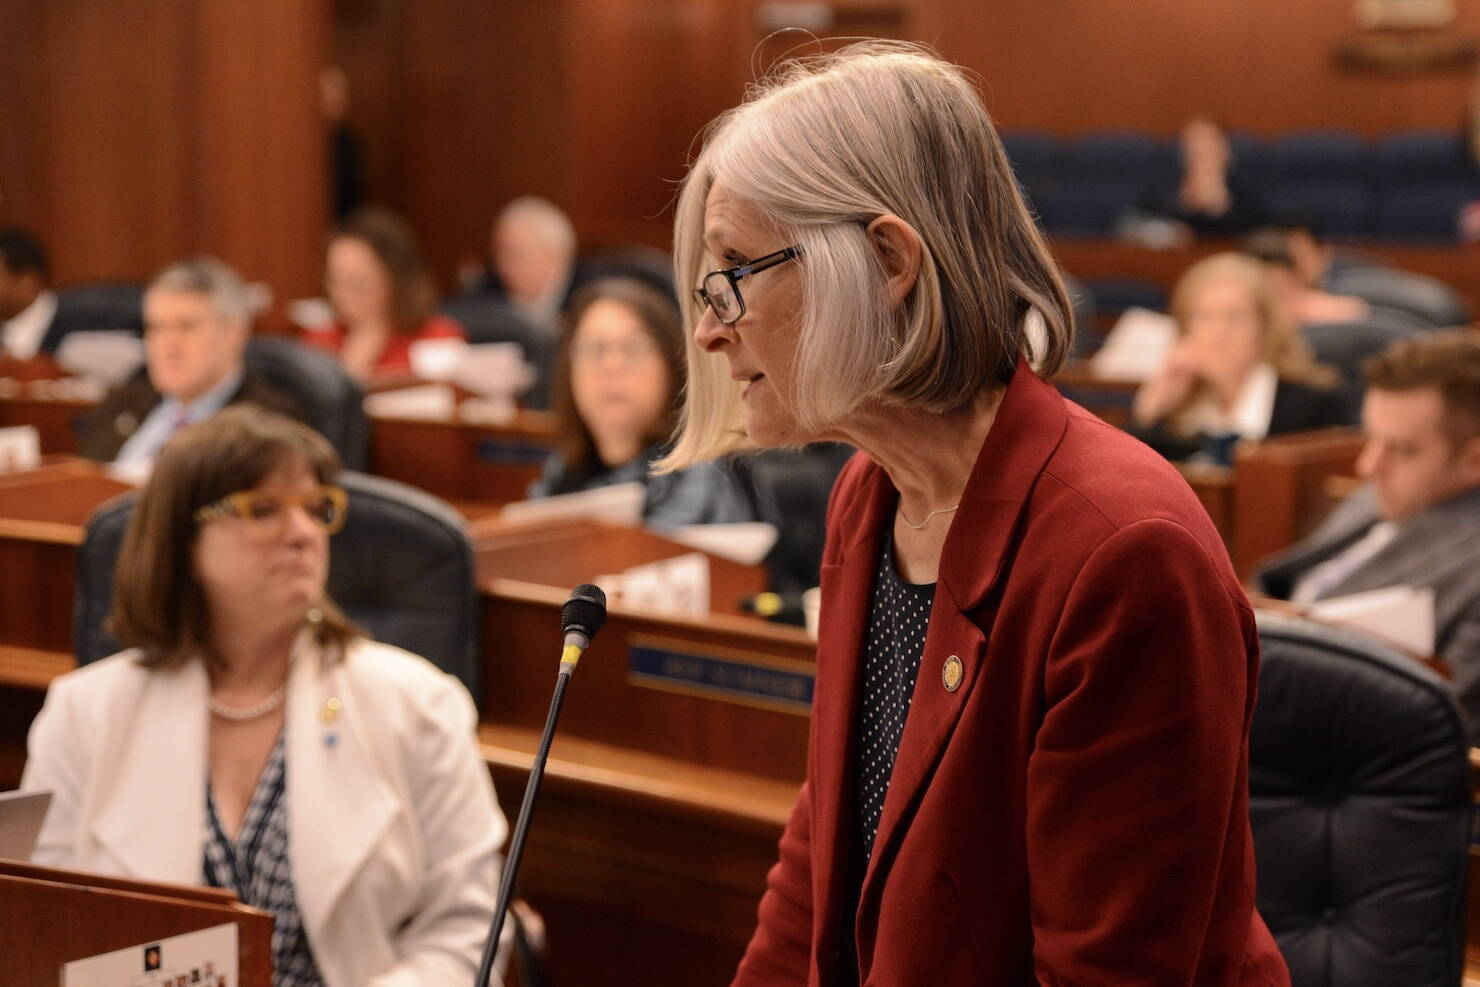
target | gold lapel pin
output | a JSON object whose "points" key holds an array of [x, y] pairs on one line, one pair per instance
{"points": [[951, 674], [330, 712]]}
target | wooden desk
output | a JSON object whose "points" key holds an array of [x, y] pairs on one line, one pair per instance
{"points": [[49, 917], [682, 744], [668, 790], [463, 461], [52, 409], [42, 513]]}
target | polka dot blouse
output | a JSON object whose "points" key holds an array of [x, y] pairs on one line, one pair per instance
{"points": [[898, 620]]}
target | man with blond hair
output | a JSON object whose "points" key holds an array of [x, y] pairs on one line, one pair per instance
{"points": [[1417, 520]]}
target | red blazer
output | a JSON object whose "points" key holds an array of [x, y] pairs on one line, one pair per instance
{"points": [[1076, 811], [397, 353]]}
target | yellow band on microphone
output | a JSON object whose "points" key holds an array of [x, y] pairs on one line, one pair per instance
{"points": [[570, 655]]}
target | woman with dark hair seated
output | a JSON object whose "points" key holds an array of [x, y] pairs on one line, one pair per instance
{"points": [[383, 296], [251, 739], [619, 372]]}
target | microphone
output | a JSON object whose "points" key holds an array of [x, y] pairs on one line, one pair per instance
{"points": [[580, 619]]}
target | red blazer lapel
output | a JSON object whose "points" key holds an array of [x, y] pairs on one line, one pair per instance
{"points": [[1030, 423], [847, 590]]}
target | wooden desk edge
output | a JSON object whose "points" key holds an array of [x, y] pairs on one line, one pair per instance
{"points": [[760, 804], [783, 634], [47, 532]]}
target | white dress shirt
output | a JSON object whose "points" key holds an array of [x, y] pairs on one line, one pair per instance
{"points": [[21, 336], [1249, 417], [171, 415]]}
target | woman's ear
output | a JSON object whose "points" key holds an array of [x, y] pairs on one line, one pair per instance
{"points": [[900, 250]]}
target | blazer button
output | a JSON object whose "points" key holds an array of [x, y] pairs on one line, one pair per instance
{"points": [[951, 674]]}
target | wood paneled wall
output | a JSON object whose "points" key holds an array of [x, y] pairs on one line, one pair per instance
{"points": [[597, 103], [1265, 66], [134, 132]]}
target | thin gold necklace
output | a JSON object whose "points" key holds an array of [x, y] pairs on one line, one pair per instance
{"points": [[910, 524]]}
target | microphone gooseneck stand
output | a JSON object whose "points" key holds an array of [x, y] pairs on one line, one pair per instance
{"points": [[581, 617]]}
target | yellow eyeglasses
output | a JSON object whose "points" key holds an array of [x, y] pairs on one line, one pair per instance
{"points": [[265, 514]]}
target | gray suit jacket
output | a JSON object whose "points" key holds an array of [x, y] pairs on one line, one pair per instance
{"points": [[1439, 548]]}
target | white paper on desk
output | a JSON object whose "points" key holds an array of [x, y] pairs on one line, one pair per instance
{"points": [[313, 314], [620, 503], [108, 356], [1400, 615], [207, 958], [437, 359], [494, 370], [678, 586], [20, 448], [746, 542], [423, 402], [1136, 348]]}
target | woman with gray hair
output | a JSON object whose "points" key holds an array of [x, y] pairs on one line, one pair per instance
{"points": [[1035, 669]]}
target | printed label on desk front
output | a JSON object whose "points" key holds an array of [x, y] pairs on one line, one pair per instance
{"points": [[765, 682], [207, 958]]}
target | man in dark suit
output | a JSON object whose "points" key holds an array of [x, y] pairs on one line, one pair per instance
{"points": [[1417, 522], [196, 322], [34, 319]]}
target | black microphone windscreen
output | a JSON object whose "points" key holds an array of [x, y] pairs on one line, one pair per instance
{"points": [[585, 611]]}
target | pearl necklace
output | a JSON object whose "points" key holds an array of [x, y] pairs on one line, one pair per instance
{"points": [[910, 524], [253, 712]]}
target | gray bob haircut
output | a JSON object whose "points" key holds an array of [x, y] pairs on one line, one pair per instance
{"points": [[820, 150], [212, 278]]}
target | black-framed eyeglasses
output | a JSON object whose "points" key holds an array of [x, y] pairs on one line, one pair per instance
{"points": [[720, 290]]}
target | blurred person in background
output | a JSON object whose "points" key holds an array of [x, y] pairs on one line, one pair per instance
{"points": [[35, 319], [1238, 371], [533, 250], [1417, 520], [619, 374], [383, 296], [1212, 196], [197, 320]]}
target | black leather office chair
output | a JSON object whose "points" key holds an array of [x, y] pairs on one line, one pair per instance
{"points": [[1428, 302], [402, 569], [1359, 797], [332, 401], [789, 488], [1345, 346]]}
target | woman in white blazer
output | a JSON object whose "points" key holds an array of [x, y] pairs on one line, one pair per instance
{"points": [[250, 739]]}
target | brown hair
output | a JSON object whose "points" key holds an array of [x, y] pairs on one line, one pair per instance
{"points": [[659, 316], [391, 240], [1448, 362], [158, 606]]}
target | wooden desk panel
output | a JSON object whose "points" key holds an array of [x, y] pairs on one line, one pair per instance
{"points": [[55, 418], [42, 512], [50, 917], [647, 870], [1281, 486], [463, 461], [521, 637], [565, 554]]}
